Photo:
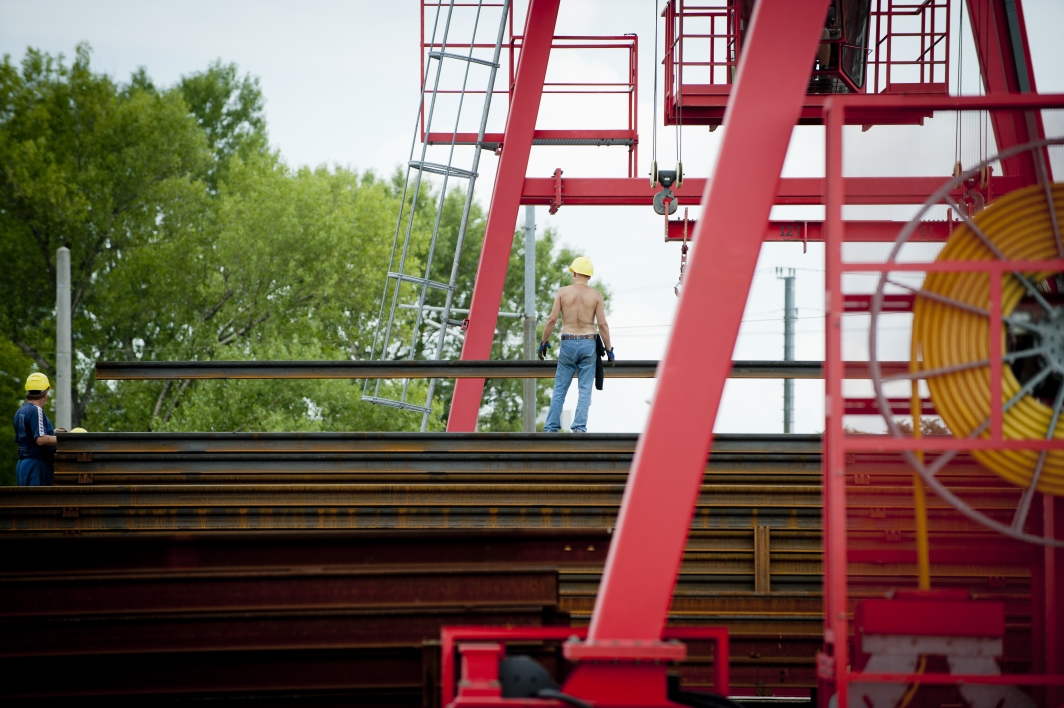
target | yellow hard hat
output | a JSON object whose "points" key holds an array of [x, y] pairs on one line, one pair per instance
{"points": [[583, 266], [78, 430], [37, 382]]}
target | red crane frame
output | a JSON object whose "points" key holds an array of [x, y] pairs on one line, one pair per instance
{"points": [[834, 664], [765, 103]]}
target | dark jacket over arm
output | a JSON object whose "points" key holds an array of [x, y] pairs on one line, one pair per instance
{"points": [[600, 351]]}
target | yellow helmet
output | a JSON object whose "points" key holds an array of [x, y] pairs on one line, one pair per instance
{"points": [[583, 266], [78, 430], [37, 382]]}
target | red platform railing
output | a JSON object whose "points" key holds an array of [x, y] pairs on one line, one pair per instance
{"points": [[627, 87], [890, 46], [910, 53]]}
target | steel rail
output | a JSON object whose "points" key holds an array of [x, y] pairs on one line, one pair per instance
{"points": [[406, 444], [425, 496], [721, 507], [128, 472], [121, 596], [501, 369], [484, 468]]}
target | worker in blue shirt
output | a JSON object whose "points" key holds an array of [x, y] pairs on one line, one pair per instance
{"points": [[35, 436]]}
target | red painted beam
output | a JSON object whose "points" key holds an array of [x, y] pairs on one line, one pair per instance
{"points": [[505, 203], [1053, 581], [833, 457], [703, 104], [659, 499], [813, 231], [634, 191], [898, 406], [1006, 68], [540, 137], [862, 302]]}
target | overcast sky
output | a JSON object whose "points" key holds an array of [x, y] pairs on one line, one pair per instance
{"points": [[341, 82]]}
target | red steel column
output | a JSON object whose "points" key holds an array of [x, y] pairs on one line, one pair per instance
{"points": [[836, 631], [505, 203], [659, 499], [1005, 63], [1053, 572]]}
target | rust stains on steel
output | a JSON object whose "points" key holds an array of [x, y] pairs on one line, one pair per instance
{"points": [[404, 496], [218, 458], [408, 446], [307, 611], [286, 621], [515, 369], [373, 585]]}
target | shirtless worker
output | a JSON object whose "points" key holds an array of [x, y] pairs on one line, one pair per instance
{"points": [[580, 306]]}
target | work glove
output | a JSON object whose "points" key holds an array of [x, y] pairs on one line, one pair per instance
{"points": [[609, 354], [543, 347]]}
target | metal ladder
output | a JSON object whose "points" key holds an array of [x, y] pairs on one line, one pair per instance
{"points": [[411, 296]]}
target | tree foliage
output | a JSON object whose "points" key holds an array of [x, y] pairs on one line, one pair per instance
{"points": [[83, 165], [191, 239], [229, 110]]}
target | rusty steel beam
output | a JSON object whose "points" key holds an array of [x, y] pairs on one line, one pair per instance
{"points": [[157, 370], [263, 550], [123, 458], [406, 445], [376, 496], [438, 586], [382, 676], [213, 629], [364, 676], [95, 605], [249, 507], [513, 369], [158, 469]]}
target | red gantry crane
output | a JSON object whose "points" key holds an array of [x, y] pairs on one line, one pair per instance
{"points": [[990, 302]]}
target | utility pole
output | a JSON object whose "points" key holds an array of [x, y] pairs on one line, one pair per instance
{"points": [[63, 343], [528, 407], [790, 314]]}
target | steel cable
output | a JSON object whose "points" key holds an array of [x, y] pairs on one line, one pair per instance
{"points": [[1020, 226]]}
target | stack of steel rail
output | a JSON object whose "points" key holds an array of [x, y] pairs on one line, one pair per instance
{"points": [[272, 549]]}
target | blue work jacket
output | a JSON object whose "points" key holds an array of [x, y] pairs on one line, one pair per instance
{"points": [[30, 424]]}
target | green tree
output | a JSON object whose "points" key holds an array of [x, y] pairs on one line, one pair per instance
{"points": [[190, 239], [284, 266], [230, 111]]}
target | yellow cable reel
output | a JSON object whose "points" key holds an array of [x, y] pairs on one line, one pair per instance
{"points": [[1019, 226], [950, 346]]}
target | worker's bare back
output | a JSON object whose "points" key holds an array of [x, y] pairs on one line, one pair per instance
{"points": [[580, 304], [581, 307]]}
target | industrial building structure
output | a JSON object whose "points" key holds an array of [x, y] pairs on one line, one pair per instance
{"points": [[671, 568]]}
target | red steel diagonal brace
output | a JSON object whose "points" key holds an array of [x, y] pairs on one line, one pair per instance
{"points": [[659, 499], [1005, 64], [505, 203]]}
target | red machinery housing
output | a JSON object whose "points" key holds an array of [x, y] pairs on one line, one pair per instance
{"points": [[753, 76], [866, 47]]}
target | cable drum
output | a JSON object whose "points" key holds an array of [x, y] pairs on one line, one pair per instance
{"points": [[950, 337], [951, 345]]}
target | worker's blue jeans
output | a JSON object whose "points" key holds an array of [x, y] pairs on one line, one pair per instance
{"points": [[32, 472], [575, 357]]}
